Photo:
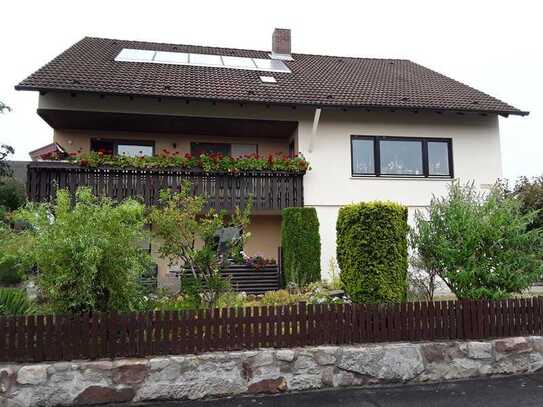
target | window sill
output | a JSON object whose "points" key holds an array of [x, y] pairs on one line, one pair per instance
{"points": [[406, 178]]}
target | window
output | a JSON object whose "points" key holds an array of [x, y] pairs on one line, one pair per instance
{"points": [[363, 156], [198, 149], [291, 148], [234, 150], [438, 158], [240, 150], [129, 148], [401, 156], [134, 150]]}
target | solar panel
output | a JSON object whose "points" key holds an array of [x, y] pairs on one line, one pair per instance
{"points": [[135, 55], [171, 57], [238, 62], [271, 65], [204, 59], [182, 58]]}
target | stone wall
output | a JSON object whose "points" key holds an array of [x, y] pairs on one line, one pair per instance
{"points": [[262, 371]]}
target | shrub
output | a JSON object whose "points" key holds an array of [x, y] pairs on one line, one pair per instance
{"points": [[280, 297], [372, 251], [12, 194], [88, 254], [15, 254], [530, 194], [232, 299], [207, 162], [301, 243], [479, 244], [188, 235], [10, 270], [15, 302]]}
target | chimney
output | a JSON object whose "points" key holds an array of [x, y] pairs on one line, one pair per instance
{"points": [[281, 44]]}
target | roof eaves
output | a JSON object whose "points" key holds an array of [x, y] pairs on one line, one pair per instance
{"points": [[515, 112]]}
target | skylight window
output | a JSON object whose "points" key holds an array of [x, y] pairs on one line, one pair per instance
{"points": [[268, 79], [182, 58]]}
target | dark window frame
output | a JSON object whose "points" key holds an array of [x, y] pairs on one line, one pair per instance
{"points": [[126, 142], [424, 147]]}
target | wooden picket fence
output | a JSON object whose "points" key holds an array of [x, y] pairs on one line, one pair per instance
{"points": [[109, 335]]}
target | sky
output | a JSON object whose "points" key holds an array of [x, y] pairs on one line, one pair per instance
{"points": [[495, 46]]}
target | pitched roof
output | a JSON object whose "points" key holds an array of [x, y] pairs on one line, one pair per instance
{"points": [[315, 80]]}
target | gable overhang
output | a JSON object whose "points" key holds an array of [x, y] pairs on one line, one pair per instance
{"points": [[161, 123], [340, 106]]}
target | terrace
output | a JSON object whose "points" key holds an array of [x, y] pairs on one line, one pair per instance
{"points": [[270, 191]]}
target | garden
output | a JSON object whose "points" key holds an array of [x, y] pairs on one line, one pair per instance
{"points": [[84, 253]]}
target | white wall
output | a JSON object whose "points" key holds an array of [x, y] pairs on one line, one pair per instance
{"points": [[329, 185], [476, 156]]}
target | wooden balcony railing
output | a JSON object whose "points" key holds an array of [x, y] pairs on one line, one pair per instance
{"points": [[269, 190]]}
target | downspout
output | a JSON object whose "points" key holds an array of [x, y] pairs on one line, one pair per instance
{"points": [[316, 119]]}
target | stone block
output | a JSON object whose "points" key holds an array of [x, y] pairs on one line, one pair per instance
{"points": [[285, 355], [7, 379], [32, 374], [479, 350], [159, 363], [130, 374], [390, 363], [325, 355], [271, 386], [512, 345], [102, 395]]}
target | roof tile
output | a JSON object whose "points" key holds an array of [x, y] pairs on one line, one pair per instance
{"points": [[316, 80]]}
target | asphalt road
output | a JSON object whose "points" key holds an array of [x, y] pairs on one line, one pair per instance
{"points": [[497, 392]]}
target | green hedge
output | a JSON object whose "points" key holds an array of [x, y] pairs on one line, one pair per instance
{"points": [[372, 251], [301, 243]]}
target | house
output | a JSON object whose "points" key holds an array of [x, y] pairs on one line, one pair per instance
{"points": [[372, 129]]}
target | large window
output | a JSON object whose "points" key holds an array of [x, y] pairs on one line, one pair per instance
{"points": [[401, 156], [131, 148]]}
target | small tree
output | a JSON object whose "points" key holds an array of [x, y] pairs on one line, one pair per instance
{"points": [[12, 194], [5, 169], [423, 280], [187, 233], [479, 244], [372, 251], [301, 243], [88, 254], [530, 194]]}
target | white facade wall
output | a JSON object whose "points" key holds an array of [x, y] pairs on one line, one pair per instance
{"points": [[476, 156], [329, 185]]}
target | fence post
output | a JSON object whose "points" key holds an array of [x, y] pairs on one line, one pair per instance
{"points": [[467, 329]]}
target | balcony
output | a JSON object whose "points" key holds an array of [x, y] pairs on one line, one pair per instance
{"points": [[270, 191]]}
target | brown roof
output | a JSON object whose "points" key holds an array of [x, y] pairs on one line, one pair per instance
{"points": [[315, 80]]}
